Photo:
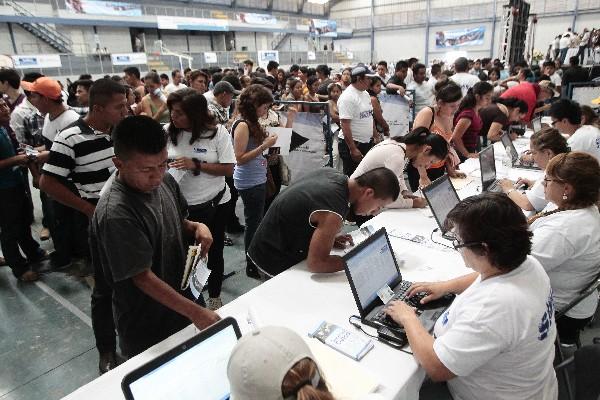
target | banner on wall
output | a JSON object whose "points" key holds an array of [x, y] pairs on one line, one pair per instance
{"points": [[116, 8], [192, 24], [256, 19], [459, 37], [265, 56], [311, 55], [129, 59], [397, 113], [323, 27], [37, 61], [307, 149], [210, 58]]}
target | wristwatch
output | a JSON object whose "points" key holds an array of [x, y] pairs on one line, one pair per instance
{"points": [[510, 191], [198, 165]]}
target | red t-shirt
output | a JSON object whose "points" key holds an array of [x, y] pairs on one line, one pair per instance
{"points": [[528, 92]]}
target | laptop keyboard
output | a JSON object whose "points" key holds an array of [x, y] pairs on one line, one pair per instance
{"points": [[413, 301]]}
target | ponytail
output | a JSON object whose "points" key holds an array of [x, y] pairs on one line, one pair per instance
{"points": [[422, 136], [470, 101], [304, 382]]}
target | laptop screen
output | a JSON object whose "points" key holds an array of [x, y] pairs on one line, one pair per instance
{"points": [[488, 166], [536, 124], [198, 373], [372, 267], [508, 144], [441, 198]]}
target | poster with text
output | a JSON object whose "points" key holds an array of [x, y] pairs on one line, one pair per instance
{"points": [[265, 56], [26, 61], [459, 37], [256, 19], [323, 27], [115, 8], [397, 113]]}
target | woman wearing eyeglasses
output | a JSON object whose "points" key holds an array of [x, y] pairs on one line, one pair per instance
{"points": [[544, 145], [566, 236], [496, 339]]}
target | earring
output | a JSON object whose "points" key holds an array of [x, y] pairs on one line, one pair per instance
{"points": [[565, 197]]}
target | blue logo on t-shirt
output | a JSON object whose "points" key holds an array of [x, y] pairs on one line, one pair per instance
{"points": [[199, 150], [445, 318], [546, 322]]}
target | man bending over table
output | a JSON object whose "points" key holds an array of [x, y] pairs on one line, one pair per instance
{"points": [[305, 219], [138, 236]]}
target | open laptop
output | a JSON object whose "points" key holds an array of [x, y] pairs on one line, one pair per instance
{"points": [[536, 124], [487, 166], [516, 160], [442, 198], [371, 266], [194, 370]]}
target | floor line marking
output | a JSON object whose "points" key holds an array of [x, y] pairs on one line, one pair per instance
{"points": [[65, 303]]}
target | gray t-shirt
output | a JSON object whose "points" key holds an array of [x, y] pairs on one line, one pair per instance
{"points": [[284, 234], [132, 232]]}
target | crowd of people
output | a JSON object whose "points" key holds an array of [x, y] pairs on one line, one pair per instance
{"points": [[133, 169]]}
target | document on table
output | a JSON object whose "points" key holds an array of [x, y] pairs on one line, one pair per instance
{"points": [[358, 236], [346, 378], [460, 183], [284, 138]]}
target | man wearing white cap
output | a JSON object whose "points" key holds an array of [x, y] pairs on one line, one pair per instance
{"points": [[356, 119]]}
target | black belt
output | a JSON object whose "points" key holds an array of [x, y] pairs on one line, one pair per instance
{"points": [[211, 203]]}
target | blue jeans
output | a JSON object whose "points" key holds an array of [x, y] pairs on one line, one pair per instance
{"points": [[254, 208]]}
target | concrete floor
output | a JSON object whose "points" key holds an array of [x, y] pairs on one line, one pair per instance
{"points": [[47, 347]]}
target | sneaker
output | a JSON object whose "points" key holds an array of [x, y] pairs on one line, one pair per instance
{"points": [[252, 272], [227, 241], [2, 261], [214, 303], [44, 234], [29, 276]]}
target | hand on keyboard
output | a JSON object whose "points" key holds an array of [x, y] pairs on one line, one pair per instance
{"points": [[429, 290], [400, 312]]}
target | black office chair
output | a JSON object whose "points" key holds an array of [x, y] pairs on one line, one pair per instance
{"points": [[562, 362], [587, 291], [586, 360]]}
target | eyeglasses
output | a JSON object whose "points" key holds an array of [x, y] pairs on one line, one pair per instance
{"points": [[553, 123], [458, 245], [546, 180]]}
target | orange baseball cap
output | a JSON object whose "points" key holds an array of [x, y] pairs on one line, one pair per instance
{"points": [[45, 86]]}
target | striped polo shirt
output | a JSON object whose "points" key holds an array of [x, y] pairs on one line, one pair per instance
{"points": [[82, 155]]}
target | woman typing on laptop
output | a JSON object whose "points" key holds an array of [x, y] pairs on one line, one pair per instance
{"points": [[543, 145], [566, 237], [497, 336]]}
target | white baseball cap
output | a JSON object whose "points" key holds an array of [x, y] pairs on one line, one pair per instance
{"points": [[261, 359]]}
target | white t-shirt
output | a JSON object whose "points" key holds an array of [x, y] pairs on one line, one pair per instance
{"points": [[564, 42], [586, 139], [209, 96], [204, 187], [424, 94], [498, 337], [536, 196], [391, 155], [355, 105], [53, 127], [567, 244], [465, 81], [171, 87], [556, 79]]}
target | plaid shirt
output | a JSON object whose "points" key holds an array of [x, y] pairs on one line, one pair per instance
{"points": [[32, 129]]}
